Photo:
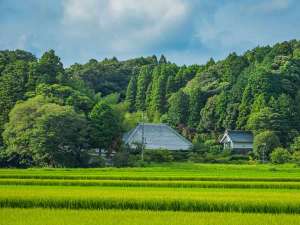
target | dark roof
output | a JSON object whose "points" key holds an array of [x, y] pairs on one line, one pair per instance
{"points": [[240, 136]]}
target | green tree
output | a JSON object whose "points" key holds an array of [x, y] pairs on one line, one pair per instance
{"points": [[48, 69], [131, 94], [209, 117], [60, 137], [170, 86], [65, 95], [12, 88], [45, 134], [106, 128], [18, 132], [264, 143], [265, 119], [158, 94], [179, 108], [143, 81], [196, 103], [162, 60]]}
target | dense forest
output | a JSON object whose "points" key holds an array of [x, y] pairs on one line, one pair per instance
{"points": [[54, 116]]}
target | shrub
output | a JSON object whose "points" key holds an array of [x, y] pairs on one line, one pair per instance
{"points": [[296, 157], [264, 143], [280, 155], [295, 146], [121, 159], [180, 156], [159, 155], [195, 157], [239, 157], [96, 161]]}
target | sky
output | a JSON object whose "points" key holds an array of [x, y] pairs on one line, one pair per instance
{"points": [[185, 31]]}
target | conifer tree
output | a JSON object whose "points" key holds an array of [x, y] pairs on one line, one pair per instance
{"points": [[131, 94], [162, 60], [143, 81]]}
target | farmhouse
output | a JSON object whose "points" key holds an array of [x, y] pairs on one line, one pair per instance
{"points": [[156, 136], [238, 141]]}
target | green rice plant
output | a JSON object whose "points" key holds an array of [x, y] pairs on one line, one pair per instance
{"points": [[125, 217], [142, 178], [178, 171], [208, 200], [151, 183]]}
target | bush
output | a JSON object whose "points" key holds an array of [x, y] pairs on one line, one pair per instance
{"points": [[280, 156], [239, 157], [264, 143], [196, 157], [296, 157], [158, 156], [121, 159], [295, 146], [96, 161], [180, 156]]}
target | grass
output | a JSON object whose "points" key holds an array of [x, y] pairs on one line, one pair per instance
{"points": [[176, 199], [177, 171], [125, 217], [166, 194], [154, 183]]}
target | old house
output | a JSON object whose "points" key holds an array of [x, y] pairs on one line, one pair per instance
{"points": [[156, 136], [240, 142]]}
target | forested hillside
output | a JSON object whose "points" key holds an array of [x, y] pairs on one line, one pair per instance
{"points": [[48, 111]]}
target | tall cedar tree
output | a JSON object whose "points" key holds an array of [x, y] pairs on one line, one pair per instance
{"points": [[131, 94]]}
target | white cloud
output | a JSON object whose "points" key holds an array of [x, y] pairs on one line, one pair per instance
{"points": [[237, 26], [123, 25]]}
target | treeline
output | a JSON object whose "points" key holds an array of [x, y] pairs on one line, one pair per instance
{"points": [[54, 116], [51, 116], [258, 91]]}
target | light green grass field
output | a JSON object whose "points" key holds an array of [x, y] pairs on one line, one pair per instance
{"points": [[149, 198], [164, 194], [155, 183], [125, 217], [179, 171]]}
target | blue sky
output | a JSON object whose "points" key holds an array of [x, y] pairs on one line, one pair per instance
{"points": [[186, 31]]}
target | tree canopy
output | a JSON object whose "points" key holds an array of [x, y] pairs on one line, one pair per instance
{"points": [[256, 91]]}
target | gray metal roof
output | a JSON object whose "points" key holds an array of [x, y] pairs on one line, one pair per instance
{"points": [[240, 136], [157, 136]]}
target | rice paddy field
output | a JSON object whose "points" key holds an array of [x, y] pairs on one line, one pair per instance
{"points": [[169, 194]]}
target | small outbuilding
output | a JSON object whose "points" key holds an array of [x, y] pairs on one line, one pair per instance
{"points": [[156, 136], [240, 142]]}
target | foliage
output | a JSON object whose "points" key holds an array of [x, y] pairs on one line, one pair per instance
{"points": [[41, 133], [257, 91], [264, 143], [158, 156], [280, 155], [178, 111], [296, 157], [105, 126]]}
